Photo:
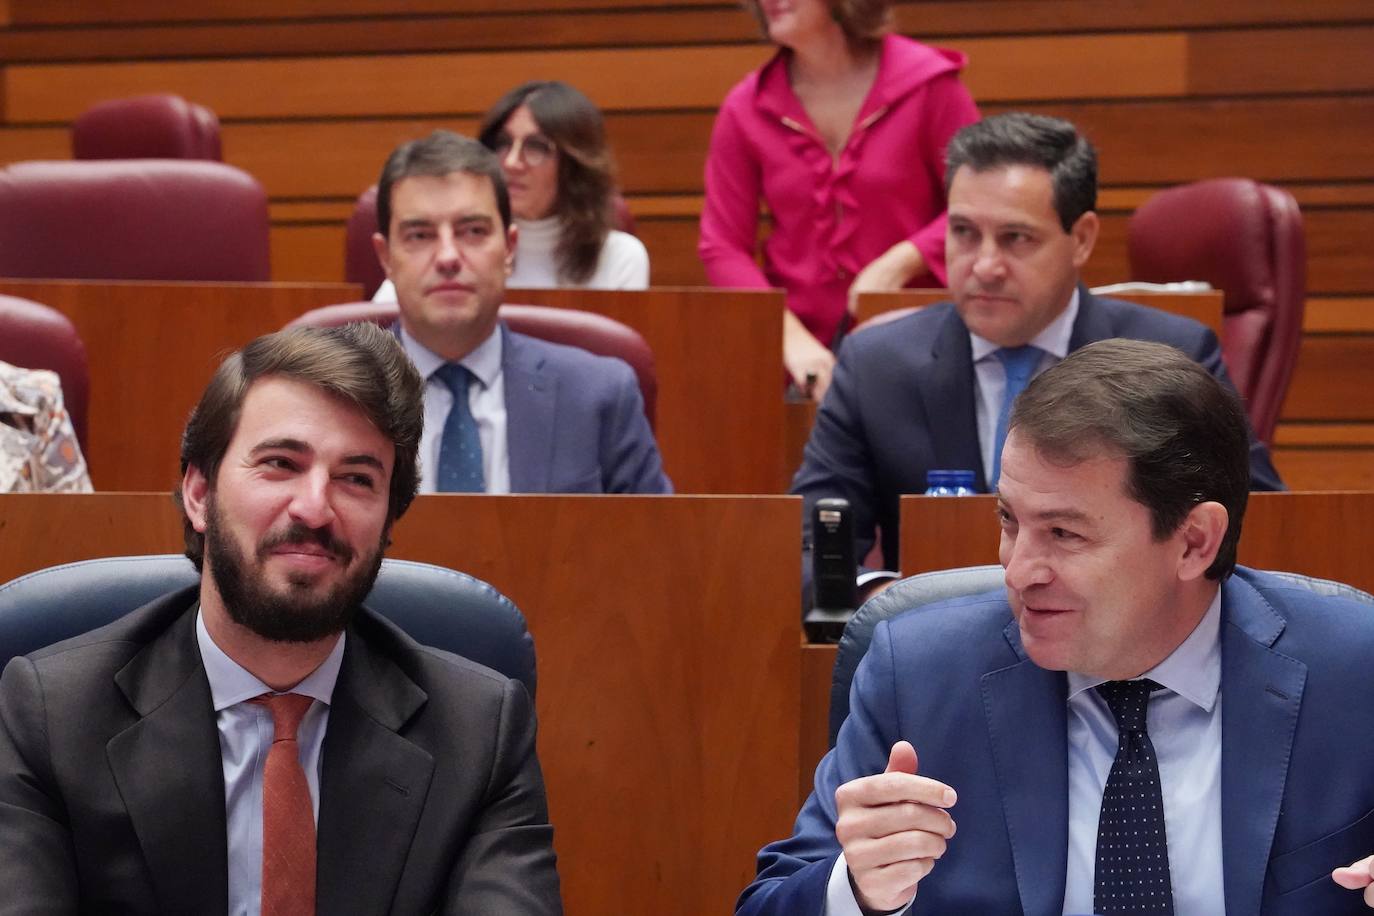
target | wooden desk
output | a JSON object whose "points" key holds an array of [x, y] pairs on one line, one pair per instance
{"points": [[668, 664], [1202, 307], [719, 360], [152, 347], [1325, 534]]}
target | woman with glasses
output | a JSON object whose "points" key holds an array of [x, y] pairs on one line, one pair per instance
{"points": [[841, 135], [552, 144]]}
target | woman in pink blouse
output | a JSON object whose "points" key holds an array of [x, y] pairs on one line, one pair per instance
{"points": [[842, 136]]}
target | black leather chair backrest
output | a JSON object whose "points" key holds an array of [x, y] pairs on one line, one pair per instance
{"points": [[436, 606], [927, 588]]}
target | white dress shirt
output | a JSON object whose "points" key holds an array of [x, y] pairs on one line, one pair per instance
{"points": [[990, 376], [486, 400], [1184, 722], [245, 735]]}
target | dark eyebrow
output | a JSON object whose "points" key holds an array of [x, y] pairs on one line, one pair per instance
{"points": [[284, 443], [367, 460], [287, 444], [1051, 515]]}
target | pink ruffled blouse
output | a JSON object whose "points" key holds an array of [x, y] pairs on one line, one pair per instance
{"points": [[831, 216]]}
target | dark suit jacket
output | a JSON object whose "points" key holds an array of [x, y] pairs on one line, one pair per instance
{"points": [[1297, 794], [112, 794], [575, 422], [902, 403]]}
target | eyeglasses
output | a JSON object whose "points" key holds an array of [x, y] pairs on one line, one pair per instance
{"points": [[533, 151]]}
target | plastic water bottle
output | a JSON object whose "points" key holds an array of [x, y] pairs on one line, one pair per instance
{"points": [[950, 483]]}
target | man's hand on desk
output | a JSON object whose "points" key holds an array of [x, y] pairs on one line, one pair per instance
{"points": [[1356, 876], [892, 827]]}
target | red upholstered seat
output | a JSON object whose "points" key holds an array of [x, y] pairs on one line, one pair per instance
{"points": [[360, 261], [133, 219], [588, 330], [161, 126], [37, 337], [1246, 239]]}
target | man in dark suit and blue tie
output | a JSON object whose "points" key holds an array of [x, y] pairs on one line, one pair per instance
{"points": [[932, 390], [1135, 724], [504, 412]]}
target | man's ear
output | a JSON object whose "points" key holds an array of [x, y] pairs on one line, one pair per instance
{"points": [[380, 246], [1202, 531], [1084, 233], [195, 491], [512, 238]]}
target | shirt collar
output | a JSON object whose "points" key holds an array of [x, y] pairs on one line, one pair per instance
{"points": [[1193, 670], [231, 683], [484, 361], [1053, 339]]}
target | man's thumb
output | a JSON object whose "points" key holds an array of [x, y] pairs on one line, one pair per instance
{"points": [[902, 759]]}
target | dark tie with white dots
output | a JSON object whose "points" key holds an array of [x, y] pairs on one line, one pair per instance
{"points": [[460, 447], [1132, 872]]}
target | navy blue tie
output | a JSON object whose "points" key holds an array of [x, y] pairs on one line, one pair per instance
{"points": [[460, 449], [1019, 363], [1132, 870]]}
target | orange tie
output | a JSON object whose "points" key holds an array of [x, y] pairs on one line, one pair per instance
{"points": [[288, 820]]}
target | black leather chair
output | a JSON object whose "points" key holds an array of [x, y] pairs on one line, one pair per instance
{"points": [[927, 588], [435, 606]]}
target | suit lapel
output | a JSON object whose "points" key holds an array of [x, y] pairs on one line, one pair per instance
{"points": [[945, 383], [170, 774], [373, 785], [1026, 711], [1261, 692], [1091, 324], [531, 396]]}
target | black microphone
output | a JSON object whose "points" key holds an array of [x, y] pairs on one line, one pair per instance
{"points": [[833, 570]]}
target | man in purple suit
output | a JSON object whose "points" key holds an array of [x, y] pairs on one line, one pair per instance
{"points": [[504, 413]]}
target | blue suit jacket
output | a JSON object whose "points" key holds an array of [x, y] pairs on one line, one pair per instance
{"points": [[1297, 766], [575, 422], [902, 402]]}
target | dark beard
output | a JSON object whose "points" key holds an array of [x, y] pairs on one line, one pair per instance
{"points": [[294, 616]]}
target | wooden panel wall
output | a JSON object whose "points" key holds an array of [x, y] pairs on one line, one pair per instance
{"points": [[314, 93]]}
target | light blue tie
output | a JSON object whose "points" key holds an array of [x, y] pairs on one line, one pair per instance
{"points": [[460, 449], [1019, 363]]}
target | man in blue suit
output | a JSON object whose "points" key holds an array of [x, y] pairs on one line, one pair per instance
{"points": [[532, 416], [926, 391], [1127, 702]]}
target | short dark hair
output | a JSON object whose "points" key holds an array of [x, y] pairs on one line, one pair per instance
{"points": [[586, 176], [360, 363], [441, 153], [1018, 138], [1182, 430], [862, 21]]}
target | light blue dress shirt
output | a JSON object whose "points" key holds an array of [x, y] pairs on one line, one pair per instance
{"points": [[1184, 722], [991, 377], [245, 735], [486, 400]]}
